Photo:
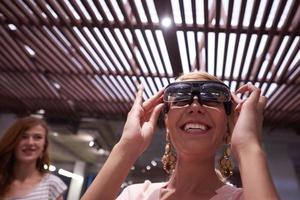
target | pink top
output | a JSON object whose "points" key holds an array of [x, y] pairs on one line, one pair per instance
{"points": [[151, 191]]}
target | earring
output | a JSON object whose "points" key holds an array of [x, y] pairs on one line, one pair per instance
{"points": [[169, 157], [225, 163]]}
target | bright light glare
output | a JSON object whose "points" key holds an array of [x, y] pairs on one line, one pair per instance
{"points": [[29, 50], [166, 22], [69, 174], [12, 27], [52, 168], [154, 163], [91, 143], [41, 111]]}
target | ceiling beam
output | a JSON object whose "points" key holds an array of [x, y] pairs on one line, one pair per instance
{"points": [[164, 9]]}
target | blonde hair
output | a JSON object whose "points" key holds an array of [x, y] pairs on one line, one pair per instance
{"points": [[198, 75]]}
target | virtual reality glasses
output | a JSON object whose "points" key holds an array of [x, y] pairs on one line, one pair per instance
{"points": [[182, 93]]}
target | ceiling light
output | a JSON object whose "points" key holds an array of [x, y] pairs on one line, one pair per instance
{"points": [[12, 27], [166, 22], [52, 168], [101, 152], [57, 86], [148, 167], [91, 143], [29, 50], [40, 111], [69, 174], [154, 163]]}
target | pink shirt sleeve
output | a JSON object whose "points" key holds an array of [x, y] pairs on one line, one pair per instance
{"points": [[150, 191], [135, 191]]}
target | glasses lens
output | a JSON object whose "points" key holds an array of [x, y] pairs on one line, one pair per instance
{"points": [[177, 92], [215, 92], [180, 94], [180, 99]]}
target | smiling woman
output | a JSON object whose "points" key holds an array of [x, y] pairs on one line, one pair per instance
{"points": [[200, 115], [23, 154]]}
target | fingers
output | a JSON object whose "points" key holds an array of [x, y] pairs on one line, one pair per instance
{"points": [[156, 98], [262, 104], [254, 92], [139, 95], [235, 98], [142, 109], [137, 109]]}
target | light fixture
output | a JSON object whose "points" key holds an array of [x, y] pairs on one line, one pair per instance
{"points": [[40, 111], [52, 168], [91, 143], [12, 27], [154, 163], [29, 50], [56, 85], [166, 22], [69, 174]]}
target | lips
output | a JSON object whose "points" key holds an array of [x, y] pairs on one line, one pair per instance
{"points": [[195, 127], [26, 150]]}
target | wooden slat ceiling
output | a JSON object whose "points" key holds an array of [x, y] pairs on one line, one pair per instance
{"points": [[77, 59]]}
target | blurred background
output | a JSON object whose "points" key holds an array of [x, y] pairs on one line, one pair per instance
{"points": [[77, 64]]}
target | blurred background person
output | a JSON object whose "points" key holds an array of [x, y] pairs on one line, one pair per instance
{"points": [[23, 155]]}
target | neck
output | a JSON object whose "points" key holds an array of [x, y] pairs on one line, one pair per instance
{"points": [[25, 170], [199, 174]]}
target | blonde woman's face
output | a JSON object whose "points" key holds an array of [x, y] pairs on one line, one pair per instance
{"points": [[31, 145], [196, 129]]}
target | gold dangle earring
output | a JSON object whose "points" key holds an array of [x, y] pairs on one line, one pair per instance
{"points": [[225, 161], [169, 157]]}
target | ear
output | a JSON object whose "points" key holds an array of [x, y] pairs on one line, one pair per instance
{"points": [[227, 135]]}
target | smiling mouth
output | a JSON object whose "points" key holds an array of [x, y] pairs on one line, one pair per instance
{"points": [[195, 127], [28, 150]]}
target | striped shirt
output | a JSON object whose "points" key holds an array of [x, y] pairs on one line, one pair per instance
{"points": [[50, 188]]}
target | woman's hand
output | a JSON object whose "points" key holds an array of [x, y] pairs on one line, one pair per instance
{"points": [[141, 122], [248, 119], [138, 131], [246, 145]]}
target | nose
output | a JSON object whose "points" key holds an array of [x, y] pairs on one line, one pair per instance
{"points": [[30, 140], [196, 106]]}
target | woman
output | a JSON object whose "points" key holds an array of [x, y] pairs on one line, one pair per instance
{"points": [[199, 118], [23, 155]]}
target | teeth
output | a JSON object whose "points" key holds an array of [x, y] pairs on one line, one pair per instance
{"points": [[195, 126]]}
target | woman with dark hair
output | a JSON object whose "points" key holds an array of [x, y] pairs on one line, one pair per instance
{"points": [[200, 115], [23, 157]]}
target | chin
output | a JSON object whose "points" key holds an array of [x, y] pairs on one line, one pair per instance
{"points": [[28, 160]]}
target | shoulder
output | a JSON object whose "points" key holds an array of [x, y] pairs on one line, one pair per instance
{"points": [[140, 190], [55, 184], [229, 192], [53, 179]]}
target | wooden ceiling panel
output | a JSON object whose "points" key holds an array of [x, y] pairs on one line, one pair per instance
{"points": [[85, 58]]}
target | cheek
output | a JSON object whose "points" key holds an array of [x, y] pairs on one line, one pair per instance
{"points": [[18, 150], [43, 145], [169, 120]]}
